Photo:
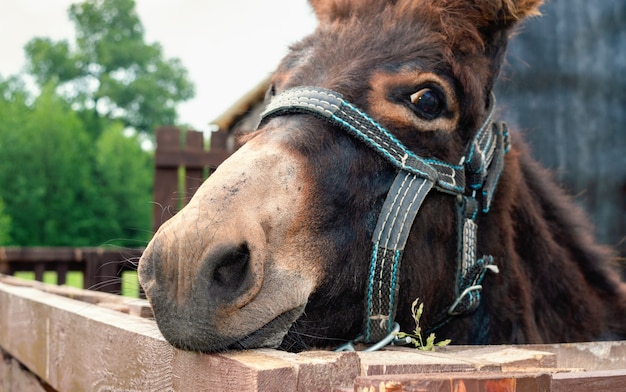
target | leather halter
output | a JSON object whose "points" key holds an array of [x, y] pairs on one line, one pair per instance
{"points": [[473, 181]]}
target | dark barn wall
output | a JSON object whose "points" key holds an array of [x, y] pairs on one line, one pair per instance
{"points": [[564, 87]]}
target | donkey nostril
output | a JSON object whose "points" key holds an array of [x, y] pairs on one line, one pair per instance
{"points": [[231, 270]]}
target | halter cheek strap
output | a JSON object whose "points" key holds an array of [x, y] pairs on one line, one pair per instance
{"points": [[416, 177]]}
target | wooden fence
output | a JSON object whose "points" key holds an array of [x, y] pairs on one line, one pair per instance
{"points": [[101, 267], [60, 339], [182, 163]]}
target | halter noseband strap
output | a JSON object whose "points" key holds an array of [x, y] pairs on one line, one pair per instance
{"points": [[331, 107], [481, 168]]}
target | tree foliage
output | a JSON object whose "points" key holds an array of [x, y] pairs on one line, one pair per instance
{"points": [[12, 107], [111, 71], [125, 172], [60, 187], [5, 226], [45, 181], [72, 169]]}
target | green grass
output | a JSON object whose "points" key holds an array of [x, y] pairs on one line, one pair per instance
{"points": [[130, 284]]}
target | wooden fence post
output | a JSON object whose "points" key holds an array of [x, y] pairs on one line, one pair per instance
{"points": [[103, 271], [219, 150], [165, 175], [195, 162], [194, 171]]}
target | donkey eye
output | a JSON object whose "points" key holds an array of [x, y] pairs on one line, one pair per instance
{"points": [[427, 103]]}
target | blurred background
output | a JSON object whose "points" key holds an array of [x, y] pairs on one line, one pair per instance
{"points": [[84, 84], [564, 87]]}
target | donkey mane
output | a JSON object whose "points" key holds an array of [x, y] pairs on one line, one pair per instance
{"points": [[550, 246], [555, 242]]}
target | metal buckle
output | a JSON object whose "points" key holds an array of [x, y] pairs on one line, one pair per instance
{"points": [[391, 338], [473, 301]]}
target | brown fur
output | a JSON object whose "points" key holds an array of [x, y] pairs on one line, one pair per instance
{"points": [[278, 239]]}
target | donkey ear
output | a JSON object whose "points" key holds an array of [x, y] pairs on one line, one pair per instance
{"points": [[328, 11], [323, 9], [506, 13], [498, 19]]}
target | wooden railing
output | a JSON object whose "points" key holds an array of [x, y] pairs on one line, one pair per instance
{"points": [[102, 268], [50, 341]]}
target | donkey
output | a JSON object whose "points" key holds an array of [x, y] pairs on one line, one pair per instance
{"points": [[378, 175]]}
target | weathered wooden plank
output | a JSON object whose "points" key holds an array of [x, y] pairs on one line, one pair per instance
{"points": [[40, 254], [608, 355], [321, 370], [219, 141], [588, 355], [39, 268], [78, 346], [14, 377], [103, 271], [237, 371], [75, 345], [413, 361], [133, 306], [601, 380], [62, 270], [507, 358], [455, 382], [172, 159]]}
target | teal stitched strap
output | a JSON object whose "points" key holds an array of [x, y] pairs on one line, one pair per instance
{"points": [[470, 271], [403, 201], [331, 107], [496, 165]]}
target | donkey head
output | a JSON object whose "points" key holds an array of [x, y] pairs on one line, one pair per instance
{"points": [[278, 239]]}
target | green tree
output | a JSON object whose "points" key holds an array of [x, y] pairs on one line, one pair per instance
{"points": [[59, 187], [111, 71], [12, 109], [5, 226], [124, 175], [43, 173]]}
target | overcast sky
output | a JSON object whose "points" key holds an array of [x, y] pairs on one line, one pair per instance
{"points": [[228, 46]]}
